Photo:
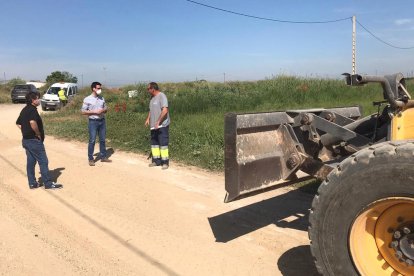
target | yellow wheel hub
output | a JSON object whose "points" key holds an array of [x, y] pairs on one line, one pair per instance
{"points": [[381, 239]]}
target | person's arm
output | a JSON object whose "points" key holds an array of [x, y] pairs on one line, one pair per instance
{"points": [[105, 108], [18, 124], [92, 112], [164, 112], [148, 119], [85, 110], [35, 128]]}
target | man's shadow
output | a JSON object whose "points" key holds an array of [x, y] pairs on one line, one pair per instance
{"points": [[109, 153], [54, 175]]}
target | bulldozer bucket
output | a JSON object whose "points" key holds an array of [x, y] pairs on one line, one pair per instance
{"points": [[262, 150]]}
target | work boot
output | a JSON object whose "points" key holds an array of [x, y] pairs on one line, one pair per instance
{"points": [[153, 164], [34, 185], [91, 163], [165, 166]]}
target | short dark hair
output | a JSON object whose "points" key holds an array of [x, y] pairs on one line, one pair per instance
{"points": [[153, 85], [31, 96], [94, 84]]}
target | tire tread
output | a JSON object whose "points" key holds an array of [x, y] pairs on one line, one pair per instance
{"points": [[365, 156]]}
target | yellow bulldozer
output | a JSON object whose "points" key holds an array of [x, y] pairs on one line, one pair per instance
{"points": [[362, 218]]}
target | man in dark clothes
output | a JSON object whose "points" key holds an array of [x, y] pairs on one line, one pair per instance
{"points": [[31, 125]]}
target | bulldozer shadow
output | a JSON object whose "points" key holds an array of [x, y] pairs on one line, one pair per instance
{"points": [[289, 210]]}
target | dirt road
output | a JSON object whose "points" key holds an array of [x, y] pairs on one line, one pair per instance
{"points": [[124, 218]]}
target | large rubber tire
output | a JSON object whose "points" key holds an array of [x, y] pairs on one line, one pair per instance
{"points": [[383, 173]]}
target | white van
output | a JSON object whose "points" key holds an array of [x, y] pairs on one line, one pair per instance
{"points": [[50, 99]]}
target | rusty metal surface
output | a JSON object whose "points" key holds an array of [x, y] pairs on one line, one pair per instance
{"points": [[252, 151], [262, 148], [316, 168]]}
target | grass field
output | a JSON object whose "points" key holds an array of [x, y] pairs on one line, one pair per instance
{"points": [[197, 111]]}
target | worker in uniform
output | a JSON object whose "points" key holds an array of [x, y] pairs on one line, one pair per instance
{"points": [[159, 121], [62, 96]]}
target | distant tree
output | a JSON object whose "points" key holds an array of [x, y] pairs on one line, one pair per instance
{"points": [[59, 76]]}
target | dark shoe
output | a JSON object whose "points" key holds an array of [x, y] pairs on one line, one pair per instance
{"points": [[165, 166], [153, 164], [91, 163], [34, 186], [54, 186], [105, 159]]}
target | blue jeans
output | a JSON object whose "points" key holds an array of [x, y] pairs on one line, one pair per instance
{"points": [[36, 152], [96, 127]]}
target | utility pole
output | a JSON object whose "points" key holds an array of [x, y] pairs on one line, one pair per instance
{"points": [[4, 77], [105, 76], [82, 79], [224, 77], [353, 45]]}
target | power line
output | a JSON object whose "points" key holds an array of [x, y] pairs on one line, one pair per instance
{"points": [[300, 22], [269, 19], [379, 39]]}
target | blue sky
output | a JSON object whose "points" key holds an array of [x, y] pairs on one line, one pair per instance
{"points": [[125, 42]]}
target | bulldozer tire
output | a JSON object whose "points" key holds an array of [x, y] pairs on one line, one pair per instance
{"points": [[362, 218]]}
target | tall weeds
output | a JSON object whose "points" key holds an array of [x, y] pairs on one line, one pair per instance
{"points": [[197, 110]]}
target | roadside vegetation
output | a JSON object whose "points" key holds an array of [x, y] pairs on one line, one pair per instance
{"points": [[197, 112], [6, 88]]}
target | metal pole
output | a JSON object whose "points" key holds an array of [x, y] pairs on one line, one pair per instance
{"points": [[353, 45], [105, 75]]}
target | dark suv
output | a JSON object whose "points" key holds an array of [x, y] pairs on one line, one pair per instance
{"points": [[18, 94]]}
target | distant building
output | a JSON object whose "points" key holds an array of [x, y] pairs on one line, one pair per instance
{"points": [[37, 84]]}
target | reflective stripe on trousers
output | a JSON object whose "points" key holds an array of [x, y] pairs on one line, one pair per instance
{"points": [[164, 153], [155, 150]]}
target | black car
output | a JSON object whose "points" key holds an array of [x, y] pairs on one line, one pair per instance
{"points": [[19, 92]]}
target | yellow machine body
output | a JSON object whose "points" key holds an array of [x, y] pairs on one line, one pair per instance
{"points": [[402, 125]]}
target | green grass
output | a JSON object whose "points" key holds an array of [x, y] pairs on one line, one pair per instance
{"points": [[197, 112]]}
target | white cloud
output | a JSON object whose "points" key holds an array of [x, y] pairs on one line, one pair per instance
{"points": [[403, 21]]}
